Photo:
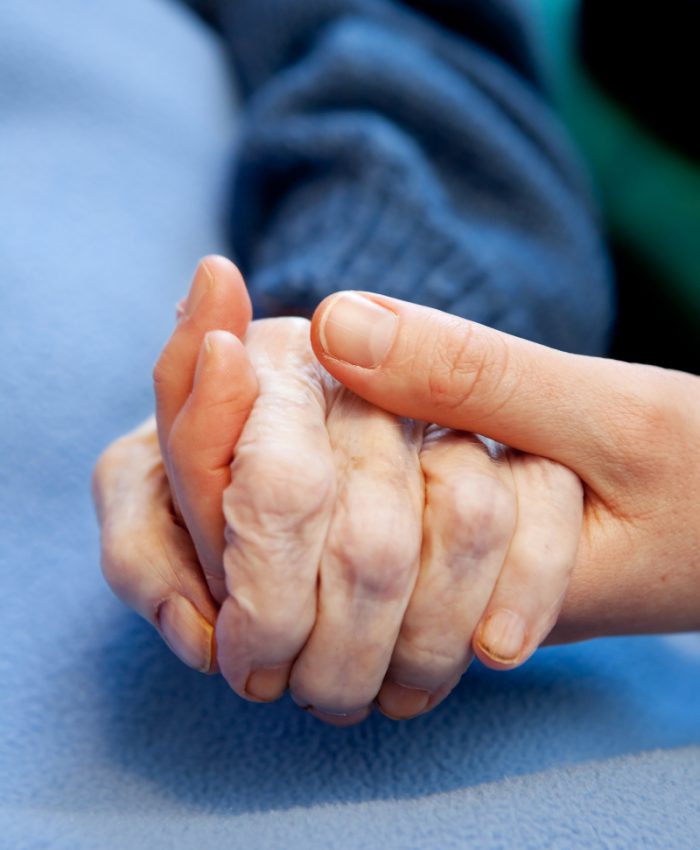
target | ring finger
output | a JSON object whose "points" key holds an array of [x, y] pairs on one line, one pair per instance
{"points": [[469, 520]]}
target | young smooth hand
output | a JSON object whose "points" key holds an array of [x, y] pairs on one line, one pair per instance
{"points": [[630, 432]]}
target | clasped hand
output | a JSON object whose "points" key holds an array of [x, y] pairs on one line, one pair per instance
{"points": [[282, 530]]}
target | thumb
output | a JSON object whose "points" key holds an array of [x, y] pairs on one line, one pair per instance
{"points": [[419, 362]]}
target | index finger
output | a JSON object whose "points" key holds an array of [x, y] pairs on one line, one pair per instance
{"points": [[277, 510]]}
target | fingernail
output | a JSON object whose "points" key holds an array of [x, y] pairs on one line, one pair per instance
{"points": [[268, 683], [338, 718], [357, 330], [502, 636], [215, 342], [202, 283], [180, 309], [211, 353], [400, 701], [186, 632]]}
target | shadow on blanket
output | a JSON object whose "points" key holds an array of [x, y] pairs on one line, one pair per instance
{"points": [[200, 743]]}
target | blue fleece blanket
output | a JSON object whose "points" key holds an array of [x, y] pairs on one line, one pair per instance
{"points": [[117, 120]]}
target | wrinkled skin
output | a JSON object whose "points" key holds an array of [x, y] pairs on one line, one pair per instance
{"points": [[356, 554]]}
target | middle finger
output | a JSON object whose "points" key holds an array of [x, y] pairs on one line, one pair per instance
{"points": [[370, 561]]}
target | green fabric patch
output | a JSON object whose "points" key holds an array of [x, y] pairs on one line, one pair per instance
{"points": [[650, 194]]}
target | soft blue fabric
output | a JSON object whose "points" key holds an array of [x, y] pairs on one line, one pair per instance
{"points": [[115, 131]]}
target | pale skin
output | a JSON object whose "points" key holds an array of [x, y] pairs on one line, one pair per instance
{"points": [[352, 556]]}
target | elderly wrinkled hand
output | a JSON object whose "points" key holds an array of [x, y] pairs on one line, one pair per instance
{"points": [[357, 556]]}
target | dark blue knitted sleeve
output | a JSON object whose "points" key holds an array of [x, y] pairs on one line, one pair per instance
{"points": [[405, 148]]}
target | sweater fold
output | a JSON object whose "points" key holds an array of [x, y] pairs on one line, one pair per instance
{"points": [[385, 148]]}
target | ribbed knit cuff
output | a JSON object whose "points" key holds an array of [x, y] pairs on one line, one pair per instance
{"points": [[363, 237], [327, 236]]}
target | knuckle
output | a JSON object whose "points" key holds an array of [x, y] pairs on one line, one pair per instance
{"points": [[478, 513], [279, 490], [462, 370], [454, 369], [377, 560]]}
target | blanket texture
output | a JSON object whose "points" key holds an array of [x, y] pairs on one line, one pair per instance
{"points": [[117, 123]]}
